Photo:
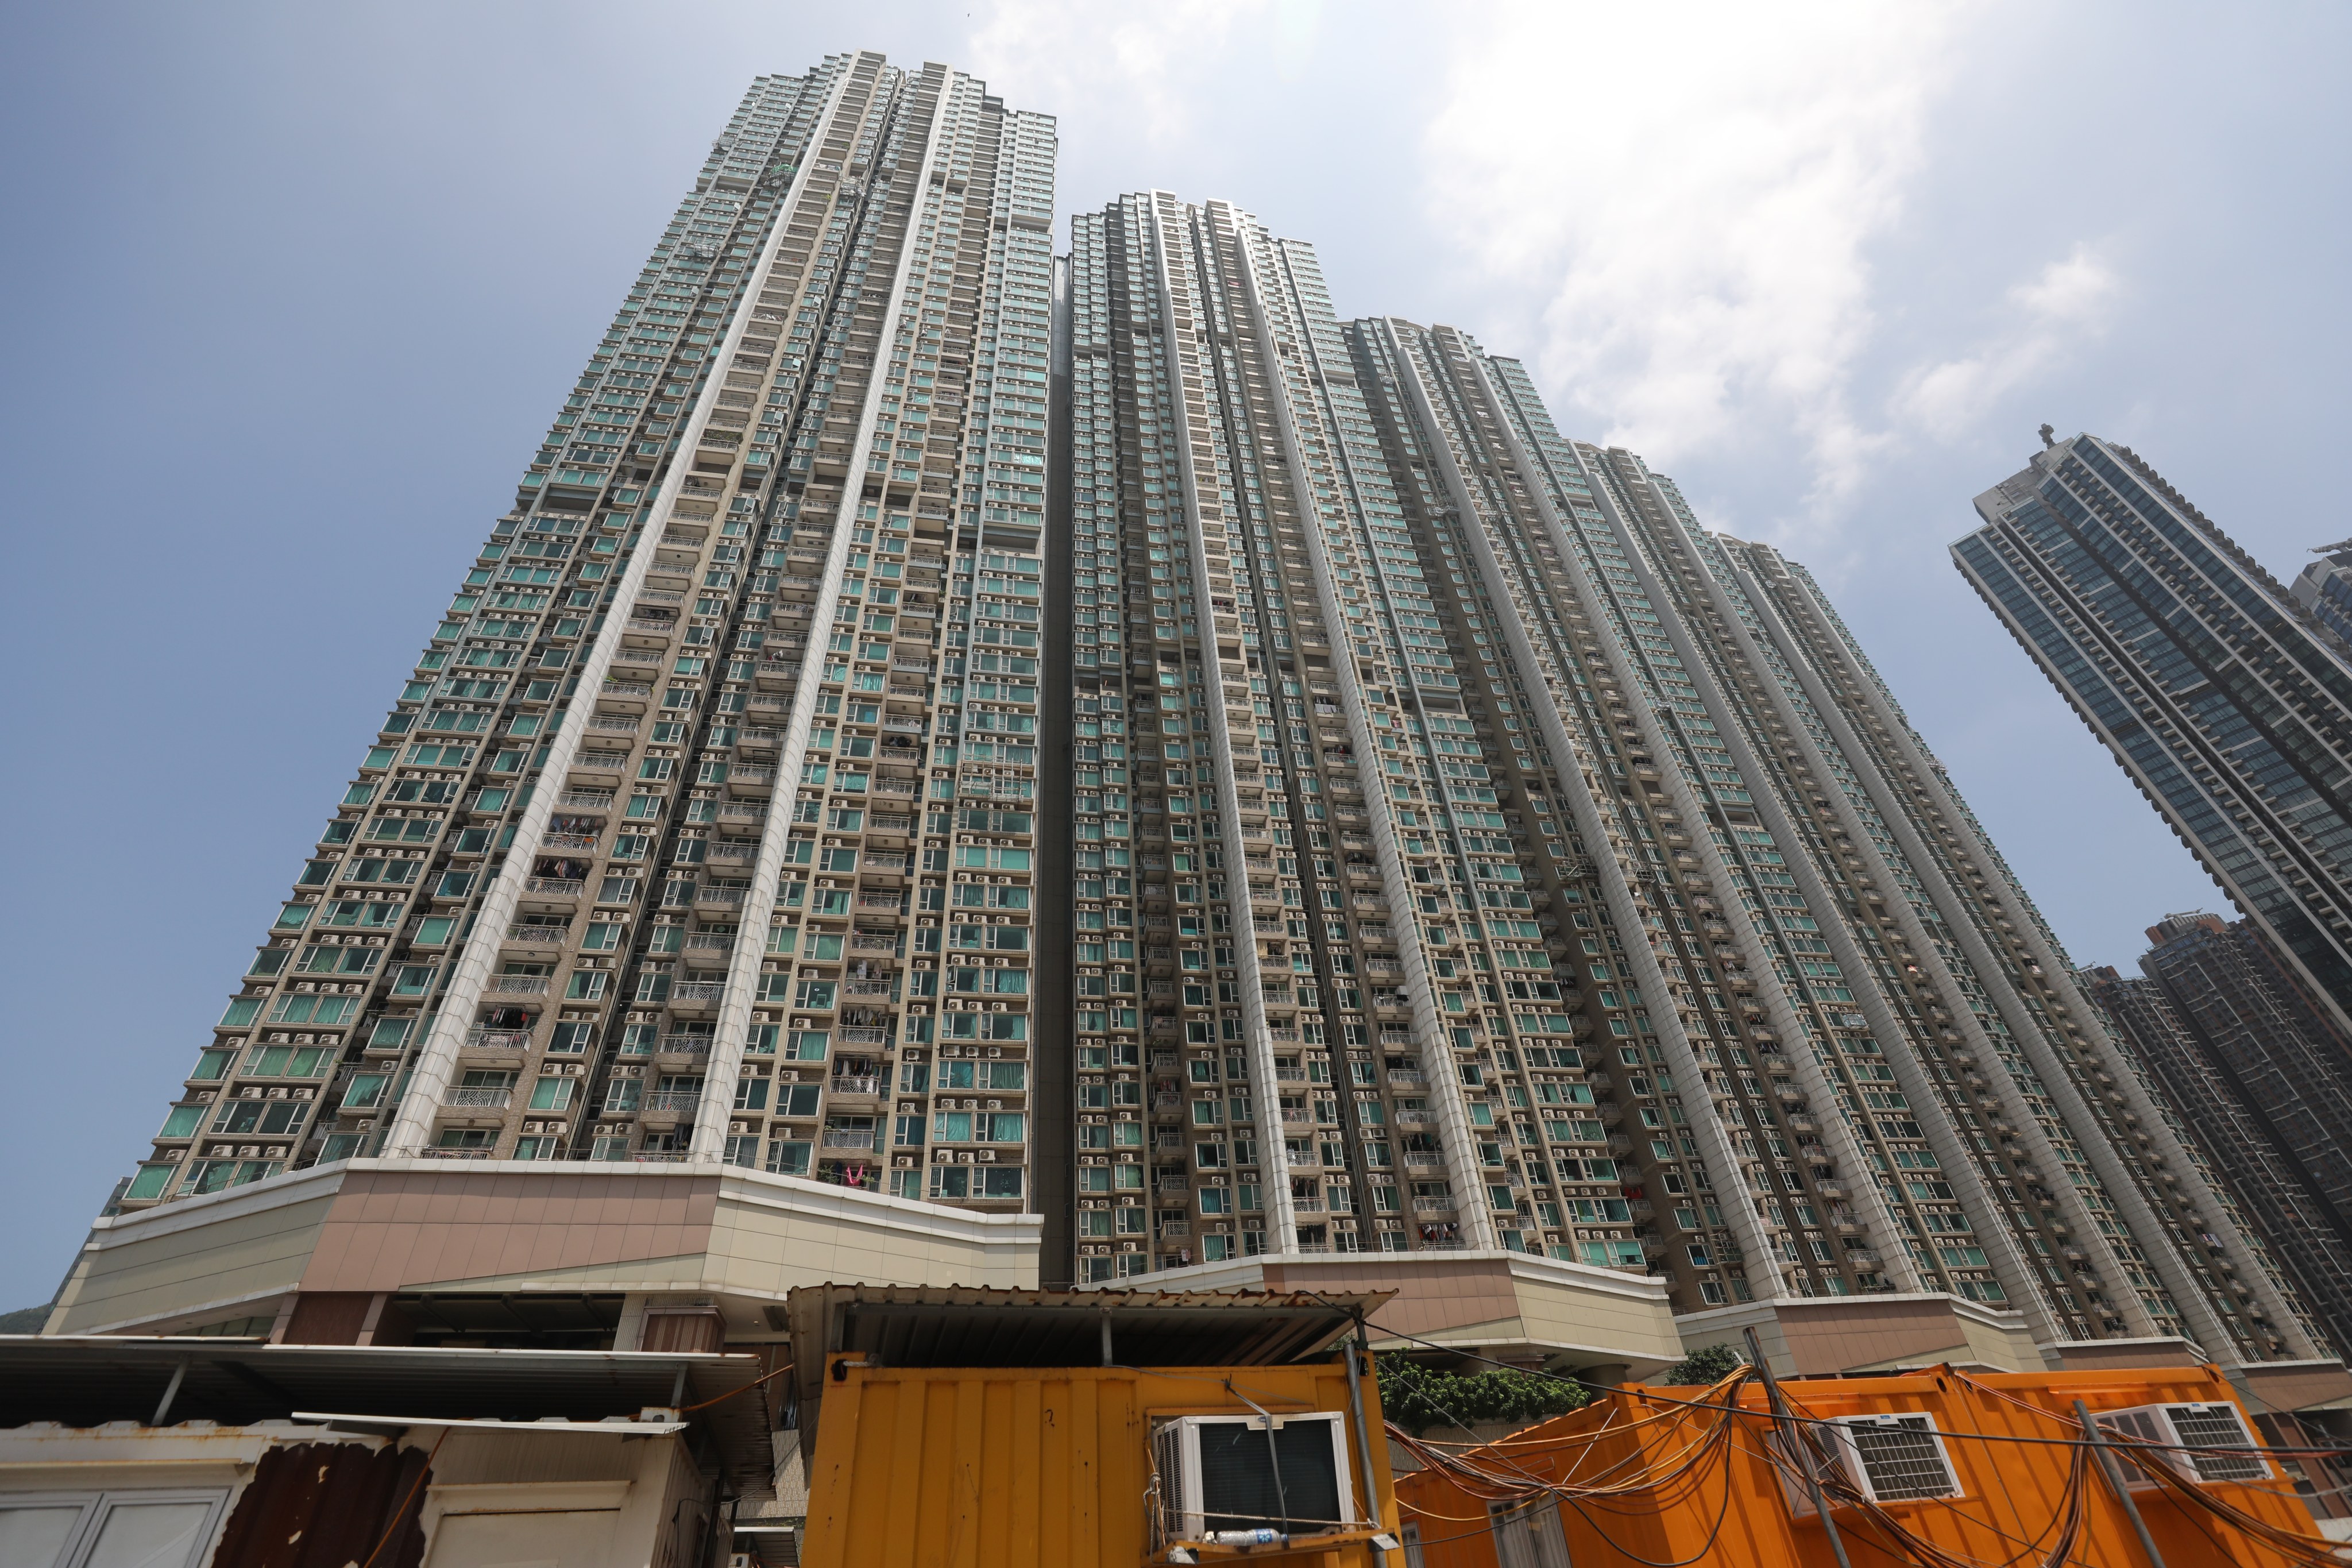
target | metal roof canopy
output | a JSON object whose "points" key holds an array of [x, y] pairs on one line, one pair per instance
{"points": [[90, 1380], [958, 1327]]}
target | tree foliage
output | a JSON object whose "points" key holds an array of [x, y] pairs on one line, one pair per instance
{"points": [[1702, 1367], [1418, 1397]]}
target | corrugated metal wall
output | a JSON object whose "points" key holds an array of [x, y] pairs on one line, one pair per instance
{"points": [[963, 1469], [2012, 1491], [327, 1505]]}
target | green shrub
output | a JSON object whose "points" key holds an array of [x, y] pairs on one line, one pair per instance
{"points": [[1417, 1397], [1700, 1368]]}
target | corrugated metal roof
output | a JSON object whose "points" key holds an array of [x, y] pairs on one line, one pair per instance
{"points": [[976, 1327], [88, 1379]]}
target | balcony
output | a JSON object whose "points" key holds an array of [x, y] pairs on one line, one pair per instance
{"points": [[477, 1098], [1433, 1205], [518, 985], [864, 1084], [552, 887], [838, 1138], [527, 934], [585, 797], [700, 992], [684, 1046], [498, 1040], [674, 1101]]}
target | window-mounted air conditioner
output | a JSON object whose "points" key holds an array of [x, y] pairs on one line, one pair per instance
{"points": [[1892, 1457], [2215, 1425], [1217, 1474]]}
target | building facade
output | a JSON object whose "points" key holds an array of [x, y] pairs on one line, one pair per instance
{"points": [[2226, 699], [2256, 1073], [703, 827], [1113, 741], [1492, 857]]}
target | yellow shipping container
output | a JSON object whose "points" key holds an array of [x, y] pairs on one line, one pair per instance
{"points": [[1021, 1466]]}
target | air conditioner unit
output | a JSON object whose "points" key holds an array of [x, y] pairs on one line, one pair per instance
{"points": [[1892, 1457], [1217, 1473], [2214, 1426]]}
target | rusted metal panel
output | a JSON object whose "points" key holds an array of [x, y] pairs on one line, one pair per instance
{"points": [[328, 1505]]}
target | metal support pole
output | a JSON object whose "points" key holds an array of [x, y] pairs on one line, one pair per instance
{"points": [[1800, 1448], [2112, 1468], [1106, 1337], [1364, 1443], [171, 1391]]}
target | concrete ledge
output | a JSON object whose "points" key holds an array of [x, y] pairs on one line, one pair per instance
{"points": [[1510, 1306], [367, 1227], [1815, 1336]]}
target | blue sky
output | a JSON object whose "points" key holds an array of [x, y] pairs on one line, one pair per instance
{"points": [[294, 290]]}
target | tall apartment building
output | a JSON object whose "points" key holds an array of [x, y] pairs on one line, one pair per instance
{"points": [[1468, 858], [703, 827], [2262, 1081], [2226, 699], [1475, 853]]}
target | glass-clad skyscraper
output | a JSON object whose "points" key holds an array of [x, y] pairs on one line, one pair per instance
{"points": [[2223, 696]]}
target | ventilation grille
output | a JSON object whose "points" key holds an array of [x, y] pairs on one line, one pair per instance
{"points": [[1901, 1459], [2217, 1427], [1238, 1471]]}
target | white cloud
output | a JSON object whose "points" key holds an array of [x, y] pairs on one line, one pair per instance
{"points": [[2067, 302], [1087, 61], [1689, 195]]}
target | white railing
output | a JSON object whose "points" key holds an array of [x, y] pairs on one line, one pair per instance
{"points": [[478, 1099]]}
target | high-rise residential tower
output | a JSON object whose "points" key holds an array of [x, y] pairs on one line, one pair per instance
{"points": [[703, 826], [2260, 1077], [1389, 836], [1475, 854], [2226, 699]]}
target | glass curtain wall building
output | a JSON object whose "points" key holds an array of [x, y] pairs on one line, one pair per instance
{"points": [[2257, 1075], [1475, 853], [703, 826], [2223, 696]]}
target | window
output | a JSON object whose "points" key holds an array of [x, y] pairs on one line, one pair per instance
{"points": [[109, 1529]]}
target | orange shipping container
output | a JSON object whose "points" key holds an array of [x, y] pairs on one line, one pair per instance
{"points": [[1984, 1468]]}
